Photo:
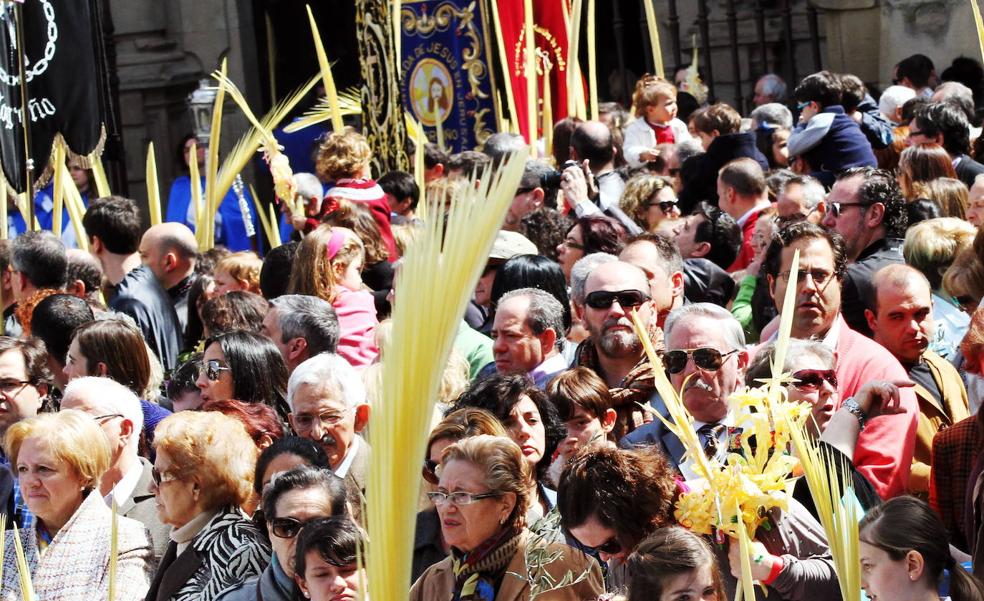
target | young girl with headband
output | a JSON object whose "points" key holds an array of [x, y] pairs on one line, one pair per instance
{"points": [[329, 263]]}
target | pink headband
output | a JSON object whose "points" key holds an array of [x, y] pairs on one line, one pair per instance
{"points": [[335, 243]]}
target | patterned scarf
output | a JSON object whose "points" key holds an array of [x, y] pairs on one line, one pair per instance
{"points": [[478, 572]]}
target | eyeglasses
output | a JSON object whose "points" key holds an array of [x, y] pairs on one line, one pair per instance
{"points": [[820, 276], [429, 471], [708, 359], [603, 299], [303, 422], [573, 244], [100, 418], [212, 368], [12, 386], [160, 478], [836, 208], [458, 498], [814, 378], [286, 527]]}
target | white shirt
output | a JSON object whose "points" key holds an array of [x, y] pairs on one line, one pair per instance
{"points": [[748, 214], [185, 534], [688, 469], [343, 469], [125, 487]]}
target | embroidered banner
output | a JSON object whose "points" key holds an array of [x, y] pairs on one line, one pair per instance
{"points": [[445, 71], [62, 90]]}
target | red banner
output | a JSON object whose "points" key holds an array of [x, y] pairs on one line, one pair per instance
{"points": [[550, 35]]}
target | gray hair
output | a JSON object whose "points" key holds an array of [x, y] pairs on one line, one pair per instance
{"points": [[773, 86], [545, 311], [328, 369], [688, 148], [761, 367], [40, 256], [308, 185], [892, 98], [733, 334], [108, 397], [813, 191], [582, 269], [774, 114], [310, 318]]}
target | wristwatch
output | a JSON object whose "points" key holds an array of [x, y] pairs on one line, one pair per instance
{"points": [[851, 405]]}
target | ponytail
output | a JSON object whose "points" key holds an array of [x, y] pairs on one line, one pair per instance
{"points": [[963, 585]]}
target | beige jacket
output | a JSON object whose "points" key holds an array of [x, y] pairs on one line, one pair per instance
{"points": [[437, 583]]}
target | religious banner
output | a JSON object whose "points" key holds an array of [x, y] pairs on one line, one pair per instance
{"points": [[550, 36], [446, 81], [60, 70]]}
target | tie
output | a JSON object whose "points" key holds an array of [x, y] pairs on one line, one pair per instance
{"points": [[711, 432]]}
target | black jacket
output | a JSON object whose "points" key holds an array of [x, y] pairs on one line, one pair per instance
{"points": [[699, 173], [857, 291], [968, 169], [141, 297]]}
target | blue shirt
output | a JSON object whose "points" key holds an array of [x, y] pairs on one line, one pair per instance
{"points": [[230, 230], [23, 515]]}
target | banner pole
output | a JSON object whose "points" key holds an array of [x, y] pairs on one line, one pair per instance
{"points": [[25, 115]]}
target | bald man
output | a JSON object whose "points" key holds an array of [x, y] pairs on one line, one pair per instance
{"points": [[902, 322], [169, 250]]}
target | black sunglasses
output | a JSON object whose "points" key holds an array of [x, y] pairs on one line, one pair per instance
{"points": [[708, 359], [814, 378], [603, 299], [286, 527]]}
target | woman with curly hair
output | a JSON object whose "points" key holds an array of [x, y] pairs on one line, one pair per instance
{"points": [[651, 202], [611, 499]]}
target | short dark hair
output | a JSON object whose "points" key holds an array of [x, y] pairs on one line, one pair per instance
{"points": [[35, 358], [533, 271], [720, 117], [944, 118], [501, 144], [86, 269], [852, 92], [310, 318], [332, 488], [400, 185], [467, 161], [434, 156], [745, 175], [579, 386], [40, 256], [601, 234], [596, 147], [120, 346], [311, 452], [499, 393], [802, 230], [721, 231], [54, 321], [822, 87], [275, 272], [236, 310], [910, 107], [116, 221], [879, 185], [183, 379], [338, 540], [668, 251], [918, 68]]}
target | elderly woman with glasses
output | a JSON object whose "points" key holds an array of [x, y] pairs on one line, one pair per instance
{"points": [[652, 203], [59, 459], [481, 498], [203, 473], [246, 367], [290, 502]]}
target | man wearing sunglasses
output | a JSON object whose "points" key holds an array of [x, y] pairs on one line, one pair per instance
{"points": [[902, 320], [742, 194], [887, 441], [705, 357], [867, 209], [527, 331]]}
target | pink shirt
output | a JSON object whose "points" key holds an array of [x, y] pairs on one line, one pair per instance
{"points": [[357, 321]]}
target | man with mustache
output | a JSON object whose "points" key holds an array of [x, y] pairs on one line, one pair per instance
{"points": [[706, 360], [328, 405], [885, 445], [902, 321]]}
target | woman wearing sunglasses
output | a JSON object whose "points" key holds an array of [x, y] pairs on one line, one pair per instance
{"points": [[651, 202], [291, 501], [246, 367], [429, 545], [482, 498], [203, 474]]}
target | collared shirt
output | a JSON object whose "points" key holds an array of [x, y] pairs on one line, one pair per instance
{"points": [[542, 373], [687, 468], [748, 214], [23, 515], [185, 534], [343, 469], [126, 485], [829, 339]]}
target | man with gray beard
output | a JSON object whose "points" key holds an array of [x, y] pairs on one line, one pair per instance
{"points": [[613, 350]]}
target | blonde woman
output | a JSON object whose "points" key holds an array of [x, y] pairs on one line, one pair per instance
{"points": [[59, 459], [651, 202]]}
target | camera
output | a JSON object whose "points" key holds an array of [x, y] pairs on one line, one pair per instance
{"points": [[551, 180]]}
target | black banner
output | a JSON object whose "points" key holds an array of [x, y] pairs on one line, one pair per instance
{"points": [[62, 83]]}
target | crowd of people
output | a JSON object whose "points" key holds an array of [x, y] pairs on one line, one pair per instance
{"points": [[218, 401]]}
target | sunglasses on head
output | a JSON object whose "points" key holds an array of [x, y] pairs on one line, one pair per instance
{"points": [[603, 299], [814, 378], [708, 359]]}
